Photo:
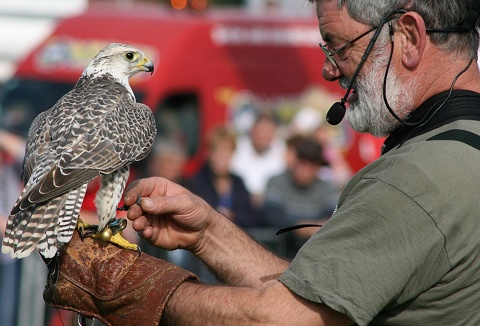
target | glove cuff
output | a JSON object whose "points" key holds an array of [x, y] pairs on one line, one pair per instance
{"points": [[116, 286]]}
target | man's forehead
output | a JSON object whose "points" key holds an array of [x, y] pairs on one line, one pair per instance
{"points": [[334, 22], [330, 18]]}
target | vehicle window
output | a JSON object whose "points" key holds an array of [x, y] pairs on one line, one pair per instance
{"points": [[177, 118], [21, 100]]}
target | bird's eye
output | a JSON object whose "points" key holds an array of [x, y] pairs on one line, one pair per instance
{"points": [[130, 55]]}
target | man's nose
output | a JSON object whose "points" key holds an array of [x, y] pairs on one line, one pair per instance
{"points": [[330, 72]]}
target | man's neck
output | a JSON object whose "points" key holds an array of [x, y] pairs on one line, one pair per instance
{"points": [[461, 105], [469, 79]]}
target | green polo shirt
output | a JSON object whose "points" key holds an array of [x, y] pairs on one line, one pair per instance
{"points": [[403, 247]]}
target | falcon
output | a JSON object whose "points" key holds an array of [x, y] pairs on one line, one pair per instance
{"points": [[95, 129]]}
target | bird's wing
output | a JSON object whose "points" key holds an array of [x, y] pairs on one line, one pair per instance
{"points": [[107, 133], [37, 143]]}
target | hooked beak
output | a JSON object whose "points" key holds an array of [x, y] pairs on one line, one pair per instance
{"points": [[147, 65]]}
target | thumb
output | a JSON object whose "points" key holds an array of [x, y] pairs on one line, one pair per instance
{"points": [[138, 188], [147, 204]]}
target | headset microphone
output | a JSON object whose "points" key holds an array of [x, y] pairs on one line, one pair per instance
{"points": [[337, 111]]}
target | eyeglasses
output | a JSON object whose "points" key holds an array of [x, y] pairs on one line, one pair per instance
{"points": [[342, 48]]}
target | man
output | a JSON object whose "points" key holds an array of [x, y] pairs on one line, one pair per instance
{"points": [[258, 156], [298, 195], [403, 247]]}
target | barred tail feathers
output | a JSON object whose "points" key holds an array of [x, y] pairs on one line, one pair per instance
{"points": [[68, 217], [32, 226], [15, 224]]}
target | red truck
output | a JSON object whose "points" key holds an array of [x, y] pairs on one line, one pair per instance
{"points": [[210, 68]]}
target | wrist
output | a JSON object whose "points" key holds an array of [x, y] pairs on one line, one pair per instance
{"points": [[211, 236], [174, 306]]}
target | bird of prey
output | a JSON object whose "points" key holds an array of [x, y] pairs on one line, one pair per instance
{"points": [[95, 129]]}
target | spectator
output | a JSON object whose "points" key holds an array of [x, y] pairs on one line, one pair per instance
{"points": [[259, 156], [309, 121], [298, 196], [167, 159], [219, 187]]}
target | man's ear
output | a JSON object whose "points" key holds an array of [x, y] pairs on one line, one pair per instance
{"points": [[413, 38]]}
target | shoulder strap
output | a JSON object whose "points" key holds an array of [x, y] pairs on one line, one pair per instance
{"points": [[463, 136]]}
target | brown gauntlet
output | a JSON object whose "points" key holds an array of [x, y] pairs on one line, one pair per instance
{"points": [[114, 285]]}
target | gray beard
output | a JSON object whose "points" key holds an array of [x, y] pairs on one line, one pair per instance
{"points": [[369, 113]]}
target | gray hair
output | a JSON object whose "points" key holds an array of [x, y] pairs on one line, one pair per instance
{"points": [[436, 14]]}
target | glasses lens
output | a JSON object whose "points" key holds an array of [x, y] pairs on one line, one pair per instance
{"points": [[328, 55]]}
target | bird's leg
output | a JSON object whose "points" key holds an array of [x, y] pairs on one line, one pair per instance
{"points": [[85, 229], [113, 233], [108, 196]]}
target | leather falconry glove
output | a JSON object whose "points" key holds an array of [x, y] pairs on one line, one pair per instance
{"points": [[114, 285]]}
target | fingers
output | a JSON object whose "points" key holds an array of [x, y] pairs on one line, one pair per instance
{"points": [[168, 209], [140, 223], [144, 228], [162, 205], [143, 206], [147, 234], [152, 187], [142, 188], [134, 212]]}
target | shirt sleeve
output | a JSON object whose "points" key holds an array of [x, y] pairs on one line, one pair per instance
{"points": [[379, 250]]}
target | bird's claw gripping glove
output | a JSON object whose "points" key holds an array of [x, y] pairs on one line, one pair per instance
{"points": [[114, 285]]}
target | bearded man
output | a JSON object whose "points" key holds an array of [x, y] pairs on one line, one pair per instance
{"points": [[403, 246]]}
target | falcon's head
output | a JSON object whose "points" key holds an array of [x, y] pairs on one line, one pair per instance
{"points": [[122, 61]]}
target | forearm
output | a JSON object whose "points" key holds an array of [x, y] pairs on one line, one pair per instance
{"points": [[200, 304], [236, 258], [204, 305]]}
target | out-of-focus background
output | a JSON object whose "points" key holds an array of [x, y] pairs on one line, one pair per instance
{"points": [[239, 102]]}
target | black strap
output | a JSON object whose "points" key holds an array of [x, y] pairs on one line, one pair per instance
{"points": [[462, 105], [295, 227], [463, 136]]}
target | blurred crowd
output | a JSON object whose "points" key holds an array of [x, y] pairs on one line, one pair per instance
{"points": [[264, 180]]}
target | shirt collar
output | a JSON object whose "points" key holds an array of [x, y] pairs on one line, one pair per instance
{"points": [[461, 104]]}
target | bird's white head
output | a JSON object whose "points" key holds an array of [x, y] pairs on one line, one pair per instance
{"points": [[121, 61]]}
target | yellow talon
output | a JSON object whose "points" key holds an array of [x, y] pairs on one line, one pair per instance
{"points": [[117, 238], [81, 225], [122, 242], [85, 229], [112, 233]]}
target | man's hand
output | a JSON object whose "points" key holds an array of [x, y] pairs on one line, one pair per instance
{"points": [[169, 216]]}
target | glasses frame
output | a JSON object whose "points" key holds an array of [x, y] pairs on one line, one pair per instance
{"points": [[330, 55]]}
